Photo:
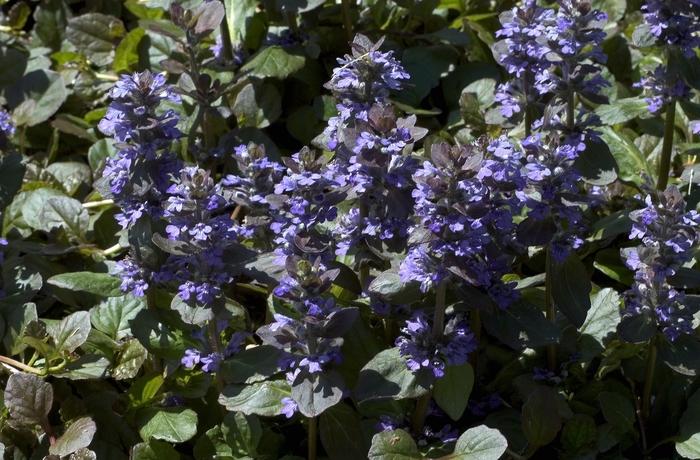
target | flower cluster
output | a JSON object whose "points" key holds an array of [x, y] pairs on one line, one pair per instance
{"points": [[249, 189], [557, 53], [446, 434], [553, 197], [668, 236], [310, 335], [465, 200], [3, 245], [371, 146], [209, 359], [423, 349], [7, 128], [139, 176], [198, 217], [303, 201], [674, 23], [661, 88]]}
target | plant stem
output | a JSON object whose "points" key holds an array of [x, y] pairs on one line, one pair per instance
{"points": [[215, 344], [514, 455], [528, 112], [423, 403], [97, 204], [667, 149], [551, 309], [476, 330], [364, 268], [570, 110], [347, 20], [313, 434], [111, 250], [649, 379], [19, 365], [236, 211]]}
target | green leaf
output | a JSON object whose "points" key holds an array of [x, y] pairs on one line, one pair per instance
{"points": [[51, 19], [126, 57], [101, 284], [262, 398], [642, 36], [36, 97], [14, 65], [129, 361], [617, 410], [16, 319], [570, 289], [238, 14], [387, 377], [11, 175], [171, 424], [257, 108], [317, 392], [596, 164], [480, 443], [630, 160], [540, 417], [154, 450], [622, 110], [637, 328], [78, 435], [251, 365], [579, 434], [688, 444], [520, 325], [388, 285], [99, 152], [71, 175], [601, 322], [71, 332], [28, 398], [393, 445], [341, 433], [681, 355], [144, 389], [114, 314], [95, 35], [161, 332], [426, 65], [452, 391], [238, 436], [87, 367], [62, 212], [274, 62]]}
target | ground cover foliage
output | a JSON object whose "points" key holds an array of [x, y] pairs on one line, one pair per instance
{"points": [[401, 229]]}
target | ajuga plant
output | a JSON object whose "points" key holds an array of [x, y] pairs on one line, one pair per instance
{"points": [[138, 177], [372, 148], [673, 27], [249, 188], [349, 229], [668, 232], [556, 57]]}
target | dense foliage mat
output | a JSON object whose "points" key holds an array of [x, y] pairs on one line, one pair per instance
{"points": [[346, 229]]}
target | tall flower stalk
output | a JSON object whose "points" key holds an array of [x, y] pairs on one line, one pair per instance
{"points": [[675, 25], [668, 235], [137, 178], [372, 147]]}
